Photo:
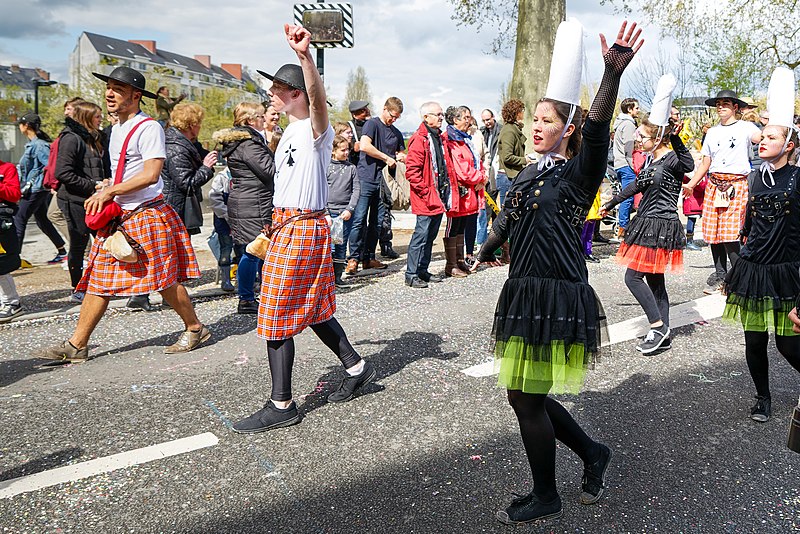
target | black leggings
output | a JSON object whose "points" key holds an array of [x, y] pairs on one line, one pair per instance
{"points": [[542, 421], [755, 350], [651, 296], [75, 216], [721, 252], [470, 233], [455, 226], [281, 356]]}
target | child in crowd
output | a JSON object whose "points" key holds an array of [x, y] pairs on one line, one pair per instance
{"points": [[343, 191], [218, 198], [9, 244]]}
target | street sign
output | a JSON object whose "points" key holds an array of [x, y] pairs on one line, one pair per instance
{"points": [[331, 25]]}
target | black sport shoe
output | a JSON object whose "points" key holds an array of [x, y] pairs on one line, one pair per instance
{"points": [[247, 307], [350, 384], [531, 510], [434, 278], [267, 418], [417, 283], [389, 252], [593, 483], [762, 410], [654, 339], [141, 302]]}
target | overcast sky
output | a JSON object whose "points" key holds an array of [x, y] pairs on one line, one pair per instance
{"points": [[410, 48]]}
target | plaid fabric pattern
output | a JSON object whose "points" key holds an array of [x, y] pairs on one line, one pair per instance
{"points": [[297, 282], [166, 258], [722, 225]]}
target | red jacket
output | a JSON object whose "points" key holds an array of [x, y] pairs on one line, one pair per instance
{"points": [[462, 172], [425, 198], [9, 184]]}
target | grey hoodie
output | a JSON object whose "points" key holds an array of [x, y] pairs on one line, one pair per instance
{"points": [[624, 131], [344, 187]]}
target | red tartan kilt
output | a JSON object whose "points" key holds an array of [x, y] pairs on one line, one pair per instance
{"points": [[166, 257], [650, 260], [297, 281]]}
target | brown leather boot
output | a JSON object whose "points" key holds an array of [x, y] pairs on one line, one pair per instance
{"points": [[451, 261], [352, 267], [505, 256], [460, 254]]}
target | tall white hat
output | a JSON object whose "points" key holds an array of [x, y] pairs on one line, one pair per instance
{"points": [[566, 68], [662, 101], [780, 98]]}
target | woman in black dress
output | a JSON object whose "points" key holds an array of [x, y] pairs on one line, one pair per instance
{"points": [[764, 282], [548, 320], [654, 240]]}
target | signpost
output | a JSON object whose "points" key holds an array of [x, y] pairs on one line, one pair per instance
{"points": [[331, 26]]}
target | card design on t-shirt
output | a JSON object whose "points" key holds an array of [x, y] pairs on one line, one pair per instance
{"points": [[290, 161], [733, 142]]}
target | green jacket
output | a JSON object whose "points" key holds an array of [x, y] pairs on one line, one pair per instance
{"points": [[511, 149]]}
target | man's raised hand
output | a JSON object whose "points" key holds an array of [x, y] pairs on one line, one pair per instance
{"points": [[298, 37]]}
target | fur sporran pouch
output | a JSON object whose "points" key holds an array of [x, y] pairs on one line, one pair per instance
{"points": [[258, 246]]}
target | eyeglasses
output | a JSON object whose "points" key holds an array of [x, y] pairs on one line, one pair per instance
{"points": [[435, 114], [393, 116]]}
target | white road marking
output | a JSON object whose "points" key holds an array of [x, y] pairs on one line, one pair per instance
{"points": [[702, 309], [70, 473]]}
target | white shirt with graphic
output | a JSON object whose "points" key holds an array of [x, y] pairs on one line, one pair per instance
{"points": [[301, 164], [729, 147]]}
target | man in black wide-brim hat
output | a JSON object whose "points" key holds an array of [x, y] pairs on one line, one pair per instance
{"points": [[164, 256], [726, 156]]}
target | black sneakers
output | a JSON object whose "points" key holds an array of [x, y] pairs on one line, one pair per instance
{"points": [[654, 339], [350, 384], [528, 509], [593, 483], [247, 307], [267, 418], [762, 410]]}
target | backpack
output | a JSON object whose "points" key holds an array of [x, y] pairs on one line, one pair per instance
{"points": [[50, 181]]}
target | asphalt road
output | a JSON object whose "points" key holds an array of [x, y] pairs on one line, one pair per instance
{"points": [[425, 449]]}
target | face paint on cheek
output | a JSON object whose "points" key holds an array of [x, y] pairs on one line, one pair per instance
{"points": [[552, 129]]}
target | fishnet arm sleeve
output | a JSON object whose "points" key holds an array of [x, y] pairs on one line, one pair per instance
{"points": [[616, 60]]}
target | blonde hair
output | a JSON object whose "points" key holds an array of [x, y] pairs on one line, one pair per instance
{"points": [[340, 127], [186, 115], [276, 138], [245, 112], [394, 104]]}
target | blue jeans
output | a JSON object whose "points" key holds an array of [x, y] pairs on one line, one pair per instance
{"points": [[364, 232], [483, 225], [503, 185], [249, 266], [626, 176], [420, 247], [340, 251]]}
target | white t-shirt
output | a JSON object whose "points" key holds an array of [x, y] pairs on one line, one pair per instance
{"points": [[301, 164], [146, 143], [729, 147]]}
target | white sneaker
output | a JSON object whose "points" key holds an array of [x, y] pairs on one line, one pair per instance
{"points": [[9, 311], [65, 266]]}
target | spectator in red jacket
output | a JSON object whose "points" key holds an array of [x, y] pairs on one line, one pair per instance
{"points": [[9, 244], [427, 174], [465, 170]]}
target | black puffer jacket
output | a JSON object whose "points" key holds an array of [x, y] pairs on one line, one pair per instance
{"points": [[183, 169], [252, 167], [78, 164]]}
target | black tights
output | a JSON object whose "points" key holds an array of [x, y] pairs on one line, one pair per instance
{"points": [[721, 252], [755, 350], [281, 356], [542, 421], [651, 296]]}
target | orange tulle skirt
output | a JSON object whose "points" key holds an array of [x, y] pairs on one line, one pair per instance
{"points": [[650, 260]]}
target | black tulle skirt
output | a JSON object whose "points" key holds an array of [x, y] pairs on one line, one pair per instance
{"points": [[547, 333], [653, 232], [760, 296]]}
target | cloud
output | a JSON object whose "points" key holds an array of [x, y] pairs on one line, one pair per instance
{"points": [[29, 20]]}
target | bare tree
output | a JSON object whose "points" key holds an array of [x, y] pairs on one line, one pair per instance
{"points": [[357, 86]]}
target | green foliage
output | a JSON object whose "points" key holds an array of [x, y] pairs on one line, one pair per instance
{"points": [[496, 16], [13, 105], [734, 66], [218, 105]]}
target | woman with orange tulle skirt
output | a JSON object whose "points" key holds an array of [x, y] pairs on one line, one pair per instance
{"points": [[654, 240]]}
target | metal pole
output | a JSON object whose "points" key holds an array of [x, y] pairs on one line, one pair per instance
{"points": [[321, 62], [36, 97]]}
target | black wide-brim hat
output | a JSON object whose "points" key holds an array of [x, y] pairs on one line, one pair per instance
{"points": [[727, 94], [128, 76], [291, 75]]}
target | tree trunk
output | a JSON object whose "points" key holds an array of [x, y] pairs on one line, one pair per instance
{"points": [[537, 23]]}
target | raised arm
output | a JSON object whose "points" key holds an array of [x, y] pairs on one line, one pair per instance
{"points": [[299, 39], [594, 151]]}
